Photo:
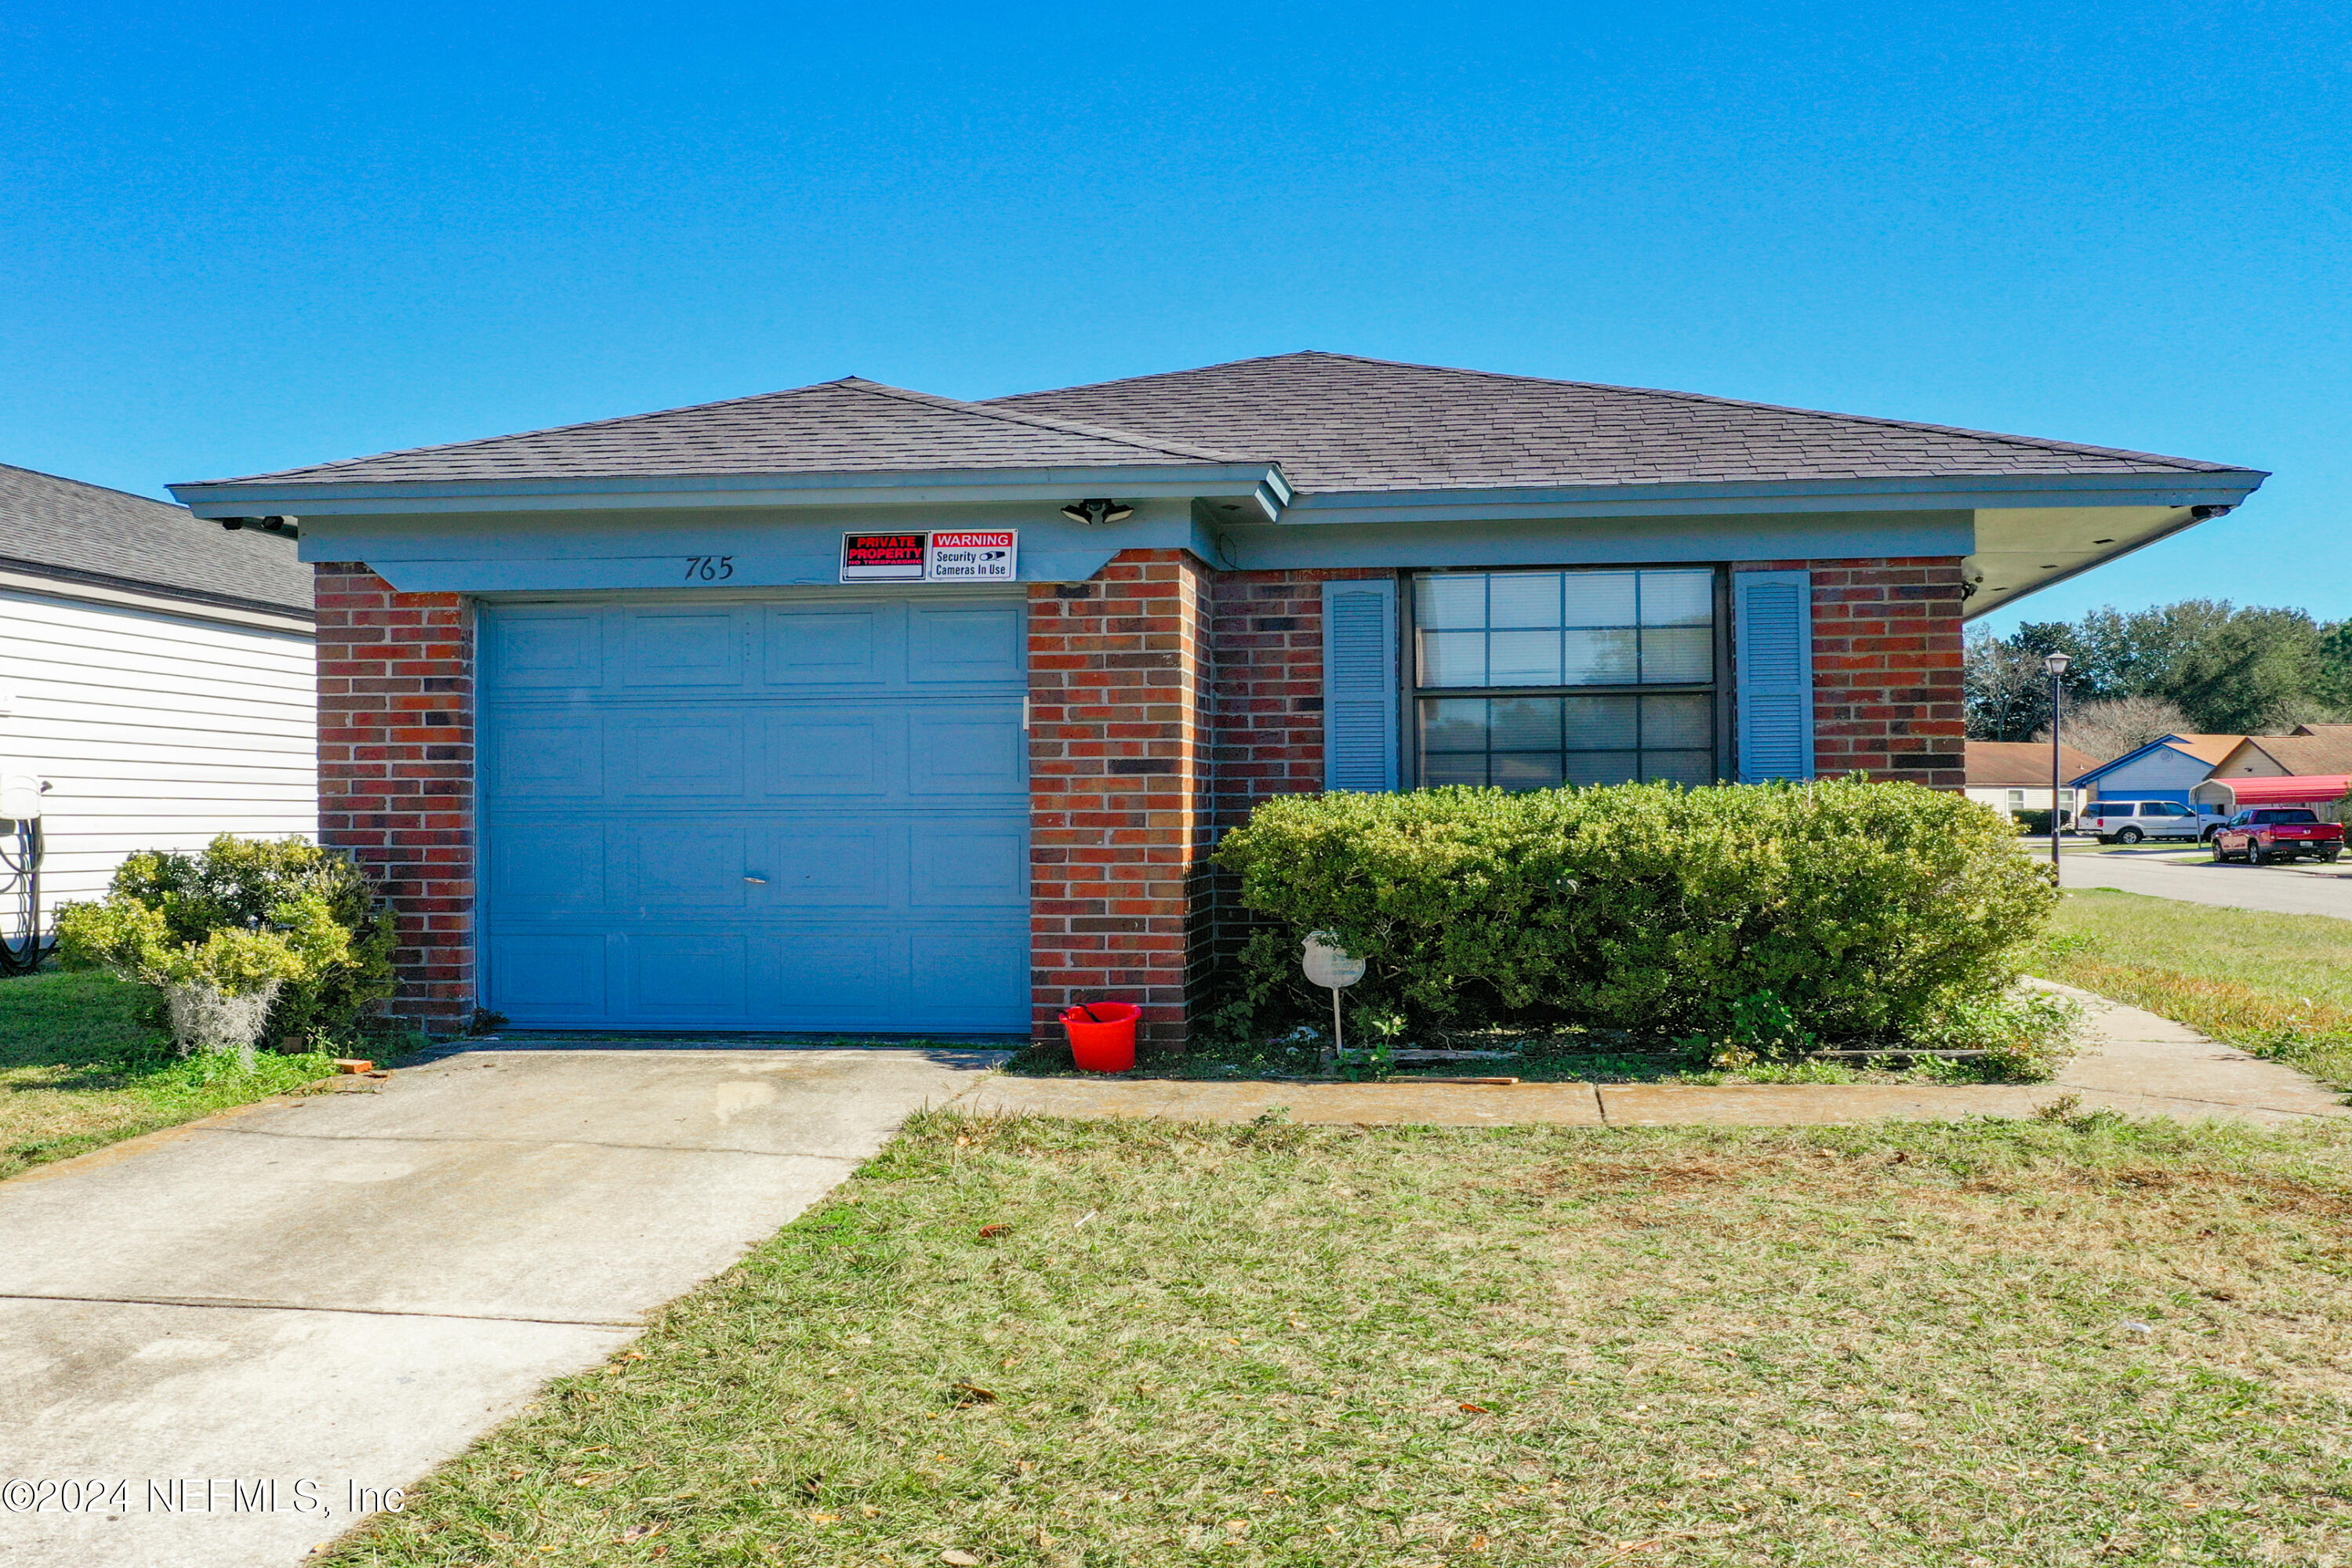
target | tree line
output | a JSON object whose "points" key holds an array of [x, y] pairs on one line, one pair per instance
{"points": [[2201, 666]]}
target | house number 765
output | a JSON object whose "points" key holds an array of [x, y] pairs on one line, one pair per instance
{"points": [[709, 568]]}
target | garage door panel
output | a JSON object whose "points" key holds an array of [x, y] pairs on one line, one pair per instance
{"points": [[978, 642], [845, 978], [693, 978], [831, 863], [827, 750], [546, 865], [683, 648], [972, 864], [980, 972], [862, 756], [547, 977], [971, 748], [538, 759], [526, 650], [812, 644], [659, 758], [674, 868]]}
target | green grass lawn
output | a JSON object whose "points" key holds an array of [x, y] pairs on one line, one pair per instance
{"points": [[2278, 985], [79, 1071], [1138, 1343]]}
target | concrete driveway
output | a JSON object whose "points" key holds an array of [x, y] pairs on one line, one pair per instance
{"points": [[226, 1342], [2282, 890]]}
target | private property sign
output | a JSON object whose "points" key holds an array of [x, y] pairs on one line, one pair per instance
{"points": [[964, 557]]}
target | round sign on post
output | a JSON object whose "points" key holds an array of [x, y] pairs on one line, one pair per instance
{"points": [[1329, 965]]}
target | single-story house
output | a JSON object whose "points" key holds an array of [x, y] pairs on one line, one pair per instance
{"points": [[2167, 768], [155, 677], [853, 708], [2311, 766], [2012, 776]]}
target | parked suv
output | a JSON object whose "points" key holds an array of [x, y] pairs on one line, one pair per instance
{"points": [[2129, 821], [2278, 833]]}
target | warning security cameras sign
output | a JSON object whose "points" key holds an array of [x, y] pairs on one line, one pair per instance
{"points": [[990, 556]]}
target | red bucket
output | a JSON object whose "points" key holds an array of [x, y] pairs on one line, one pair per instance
{"points": [[1102, 1036]]}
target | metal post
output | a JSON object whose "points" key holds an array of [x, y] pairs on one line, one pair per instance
{"points": [[2056, 770], [2055, 663]]}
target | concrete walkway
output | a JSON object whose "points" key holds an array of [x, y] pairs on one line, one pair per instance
{"points": [[2135, 1062], [324, 1296]]}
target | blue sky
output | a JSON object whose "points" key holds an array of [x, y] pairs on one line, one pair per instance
{"points": [[237, 238]]}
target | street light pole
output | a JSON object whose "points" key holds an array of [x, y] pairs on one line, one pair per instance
{"points": [[2055, 663]]}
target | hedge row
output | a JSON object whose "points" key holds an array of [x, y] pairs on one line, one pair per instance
{"points": [[1863, 908]]}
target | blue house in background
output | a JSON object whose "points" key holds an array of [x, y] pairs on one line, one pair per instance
{"points": [[2166, 768]]}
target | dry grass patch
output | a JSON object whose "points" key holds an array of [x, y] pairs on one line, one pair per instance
{"points": [[1052, 1343]]}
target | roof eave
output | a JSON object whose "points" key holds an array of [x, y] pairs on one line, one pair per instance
{"points": [[2226, 487], [1263, 485]]}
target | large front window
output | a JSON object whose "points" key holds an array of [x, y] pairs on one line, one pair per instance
{"points": [[1528, 680]]}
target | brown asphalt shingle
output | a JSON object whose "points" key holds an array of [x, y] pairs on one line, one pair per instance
{"points": [[847, 427], [1339, 423], [1335, 422], [2020, 764]]}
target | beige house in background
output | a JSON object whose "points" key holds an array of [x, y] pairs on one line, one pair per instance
{"points": [[2311, 748], [2312, 768], [2012, 776]]}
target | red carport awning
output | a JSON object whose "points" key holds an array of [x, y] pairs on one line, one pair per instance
{"points": [[2301, 789]]}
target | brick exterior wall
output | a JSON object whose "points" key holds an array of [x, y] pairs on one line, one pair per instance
{"points": [[1166, 701], [1120, 776], [1267, 639], [396, 771], [1887, 700]]}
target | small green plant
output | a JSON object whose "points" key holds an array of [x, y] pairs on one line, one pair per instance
{"points": [[1762, 1025], [241, 914]]}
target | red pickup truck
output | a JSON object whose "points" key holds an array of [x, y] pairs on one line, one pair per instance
{"points": [[2277, 833]]}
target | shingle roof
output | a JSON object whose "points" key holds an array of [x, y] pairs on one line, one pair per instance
{"points": [[1338, 423], [850, 425], [63, 527], [2019, 764], [2205, 748], [2320, 753]]}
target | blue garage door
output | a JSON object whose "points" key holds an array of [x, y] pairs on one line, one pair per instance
{"points": [[802, 812]]}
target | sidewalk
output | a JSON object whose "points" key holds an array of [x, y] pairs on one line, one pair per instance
{"points": [[2133, 1061]]}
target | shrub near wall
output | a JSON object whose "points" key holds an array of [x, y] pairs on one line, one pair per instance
{"points": [[1863, 906]]}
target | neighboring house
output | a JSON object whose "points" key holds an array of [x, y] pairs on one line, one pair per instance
{"points": [[156, 671], [2312, 766], [2012, 776], [2167, 768], [856, 709]]}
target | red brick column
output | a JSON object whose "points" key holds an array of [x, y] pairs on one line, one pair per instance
{"points": [[1887, 700], [396, 771], [1118, 681]]}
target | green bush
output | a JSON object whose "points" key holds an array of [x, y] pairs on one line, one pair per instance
{"points": [[1861, 909], [242, 913]]}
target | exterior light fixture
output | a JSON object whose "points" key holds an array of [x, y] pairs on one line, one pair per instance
{"points": [[1095, 513]]}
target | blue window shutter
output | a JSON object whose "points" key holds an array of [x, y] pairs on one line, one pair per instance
{"points": [[1772, 615], [1360, 689]]}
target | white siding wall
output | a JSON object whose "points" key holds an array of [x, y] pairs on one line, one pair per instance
{"points": [[155, 732]]}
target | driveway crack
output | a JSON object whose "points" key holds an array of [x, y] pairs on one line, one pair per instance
{"points": [[526, 1142], [237, 1304]]}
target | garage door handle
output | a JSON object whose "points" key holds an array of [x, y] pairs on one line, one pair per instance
{"points": [[755, 877]]}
